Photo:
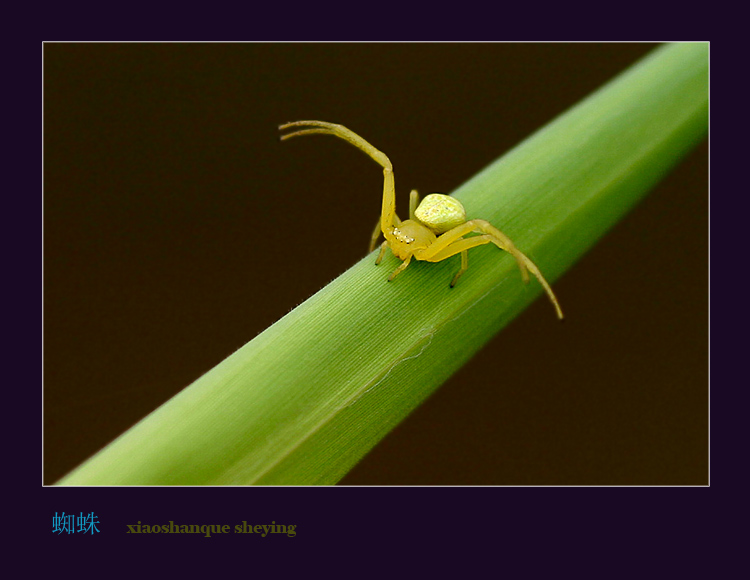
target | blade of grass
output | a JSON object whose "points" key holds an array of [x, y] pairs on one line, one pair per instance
{"points": [[306, 399]]}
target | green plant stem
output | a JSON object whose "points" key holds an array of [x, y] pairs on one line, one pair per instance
{"points": [[305, 400]]}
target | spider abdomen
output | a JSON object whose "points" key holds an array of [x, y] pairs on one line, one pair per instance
{"points": [[440, 212]]}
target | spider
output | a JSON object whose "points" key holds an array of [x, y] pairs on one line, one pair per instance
{"points": [[436, 227]]}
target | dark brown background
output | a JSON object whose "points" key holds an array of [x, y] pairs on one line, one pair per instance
{"points": [[176, 228]]}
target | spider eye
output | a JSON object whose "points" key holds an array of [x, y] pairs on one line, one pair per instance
{"points": [[402, 237], [440, 212]]}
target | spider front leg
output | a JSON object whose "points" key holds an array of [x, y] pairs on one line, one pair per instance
{"points": [[376, 235], [388, 211], [492, 234], [450, 243]]}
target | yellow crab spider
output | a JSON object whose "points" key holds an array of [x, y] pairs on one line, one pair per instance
{"points": [[436, 227]]}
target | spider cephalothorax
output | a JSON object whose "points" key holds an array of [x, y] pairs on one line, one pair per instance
{"points": [[436, 227]]}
